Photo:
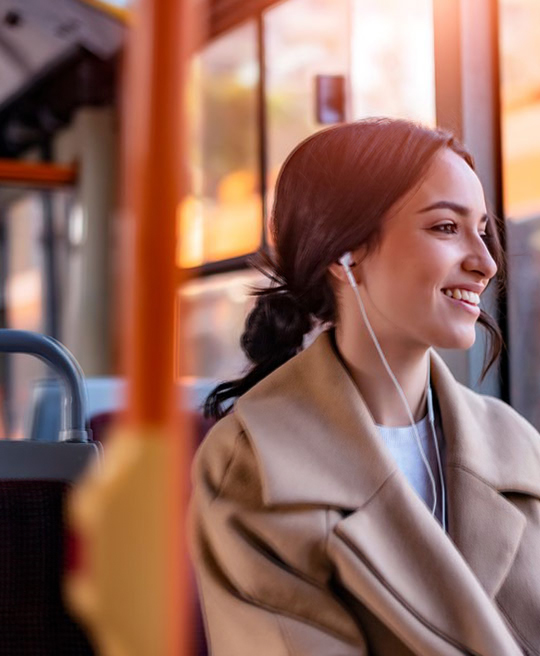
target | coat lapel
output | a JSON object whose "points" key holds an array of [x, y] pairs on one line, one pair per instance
{"points": [[485, 457], [318, 444], [396, 560]]}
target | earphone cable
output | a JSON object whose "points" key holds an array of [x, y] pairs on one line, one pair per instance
{"points": [[352, 281]]}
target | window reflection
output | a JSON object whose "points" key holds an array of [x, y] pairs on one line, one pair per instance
{"points": [[385, 49], [304, 38], [222, 216], [520, 98], [213, 312], [392, 56], [520, 95]]}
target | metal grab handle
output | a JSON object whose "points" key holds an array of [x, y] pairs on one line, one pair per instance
{"points": [[57, 356]]}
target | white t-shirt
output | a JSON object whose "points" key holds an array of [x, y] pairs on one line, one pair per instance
{"points": [[403, 445]]}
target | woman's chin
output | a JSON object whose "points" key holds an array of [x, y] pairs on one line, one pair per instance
{"points": [[462, 340]]}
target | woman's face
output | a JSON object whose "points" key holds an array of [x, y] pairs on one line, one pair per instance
{"points": [[431, 243]]}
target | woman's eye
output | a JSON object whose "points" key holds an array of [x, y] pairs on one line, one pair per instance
{"points": [[451, 228], [442, 228]]}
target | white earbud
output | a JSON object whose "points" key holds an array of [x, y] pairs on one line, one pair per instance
{"points": [[346, 260]]}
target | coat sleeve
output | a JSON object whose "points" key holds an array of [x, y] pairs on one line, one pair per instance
{"points": [[253, 601]]}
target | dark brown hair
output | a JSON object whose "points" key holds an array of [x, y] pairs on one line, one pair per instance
{"points": [[332, 195]]}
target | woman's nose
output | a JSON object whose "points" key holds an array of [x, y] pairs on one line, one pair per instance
{"points": [[480, 259]]}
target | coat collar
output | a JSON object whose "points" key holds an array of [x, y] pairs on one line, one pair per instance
{"points": [[317, 443], [312, 429]]}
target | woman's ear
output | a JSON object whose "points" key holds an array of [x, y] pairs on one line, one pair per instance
{"points": [[337, 270]]}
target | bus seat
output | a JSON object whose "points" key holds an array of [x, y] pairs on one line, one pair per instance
{"points": [[106, 398], [34, 620]]}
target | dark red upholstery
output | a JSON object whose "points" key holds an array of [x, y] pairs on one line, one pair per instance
{"points": [[34, 620]]}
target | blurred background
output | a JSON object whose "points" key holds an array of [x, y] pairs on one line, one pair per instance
{"points": [[265, 75]]}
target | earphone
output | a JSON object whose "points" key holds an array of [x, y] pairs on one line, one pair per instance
{"points": [[346, 260]]}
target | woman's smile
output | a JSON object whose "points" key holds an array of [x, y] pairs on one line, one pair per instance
{"points": [[462, 304]]}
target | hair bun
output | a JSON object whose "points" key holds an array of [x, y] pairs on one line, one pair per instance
{"points": [[275, 327]]}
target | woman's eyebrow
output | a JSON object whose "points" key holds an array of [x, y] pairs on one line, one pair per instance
{"points": [[454, 207]]}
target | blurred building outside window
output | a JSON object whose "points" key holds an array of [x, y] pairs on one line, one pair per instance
{"points": [[392, 59], [303, 39], [385, 49], [221, 218], [213, 312], [520, 116]]}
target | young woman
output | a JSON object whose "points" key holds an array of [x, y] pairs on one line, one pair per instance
{"points": [[357, 499]]}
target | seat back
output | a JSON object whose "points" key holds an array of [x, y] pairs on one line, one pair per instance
{"points": [[35, 478], [46, 461], [104, 394], [34, 620]]}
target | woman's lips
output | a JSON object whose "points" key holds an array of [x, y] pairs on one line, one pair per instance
{"points": [[464, 305]]}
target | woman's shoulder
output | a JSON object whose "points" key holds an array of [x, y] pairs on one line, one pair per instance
{"points": [[225, 462], [499, 437], [500, 413], [216, 450], [272, 391]]}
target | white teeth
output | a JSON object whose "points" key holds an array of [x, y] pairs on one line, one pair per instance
{"points": [[463, 294]]}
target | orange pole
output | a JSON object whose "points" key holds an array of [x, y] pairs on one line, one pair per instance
{"points": [[153, 115], [37, 174], [153, 143]]}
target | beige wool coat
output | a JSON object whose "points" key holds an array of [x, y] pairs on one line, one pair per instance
{"points": [[308, 540]]}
